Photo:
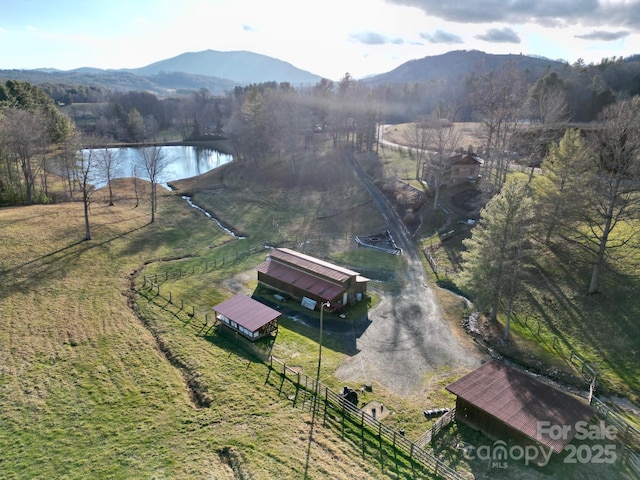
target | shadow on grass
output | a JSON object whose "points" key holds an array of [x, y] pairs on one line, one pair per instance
{"points": [[340, 334], [234, 343], [42, 268]]}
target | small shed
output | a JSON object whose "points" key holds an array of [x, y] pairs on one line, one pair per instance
{"points": [[506, 403], [247, 316]]}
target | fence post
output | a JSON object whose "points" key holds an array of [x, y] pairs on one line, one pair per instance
{"points": [[326, 403], [362, 432], [170, 300]]}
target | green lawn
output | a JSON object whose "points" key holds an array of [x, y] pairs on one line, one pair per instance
{"points": [[88, 390]]}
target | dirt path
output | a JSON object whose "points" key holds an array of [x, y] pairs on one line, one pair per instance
{"points": [[408, 337]]}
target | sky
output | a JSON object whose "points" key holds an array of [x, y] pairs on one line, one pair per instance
{"points": [[325, 37]]}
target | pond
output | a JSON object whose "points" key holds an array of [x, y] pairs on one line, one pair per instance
{"points": [[185, 162]]}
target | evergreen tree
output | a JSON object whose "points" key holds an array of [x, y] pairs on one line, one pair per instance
{"points": [[496, 253], [563, 180]]}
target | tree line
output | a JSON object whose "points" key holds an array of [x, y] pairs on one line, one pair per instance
{"points": [[275, 119]]}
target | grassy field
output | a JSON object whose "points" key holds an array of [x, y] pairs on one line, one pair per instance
{"points": [[97, 381], [92, 388], [89, 390]]}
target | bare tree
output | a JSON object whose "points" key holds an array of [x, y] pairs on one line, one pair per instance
{"points": [[154, 163], [108, 162], [86, 162], [136, 183], [22, 138], [418, 136], [445, 140], [498, 99], [615, 198], [67, 161]]}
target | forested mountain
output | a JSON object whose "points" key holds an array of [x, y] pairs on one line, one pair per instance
{"points": [[240, 67], [162, 83], [414, 88], [460, 63], [218, 72]]}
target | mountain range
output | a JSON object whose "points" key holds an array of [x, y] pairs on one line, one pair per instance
{"points": [[220, 72]]}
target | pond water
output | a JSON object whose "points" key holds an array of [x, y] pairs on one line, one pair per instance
{"points": [[185, 162]]}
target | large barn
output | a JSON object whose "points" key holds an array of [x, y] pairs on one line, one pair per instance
{"points": [[311, 280], [507, 404]]}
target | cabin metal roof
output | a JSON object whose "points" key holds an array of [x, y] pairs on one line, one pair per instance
{"points": [[247, 312], [521, 401], [465, 159], [312, 264], [304, 281]]}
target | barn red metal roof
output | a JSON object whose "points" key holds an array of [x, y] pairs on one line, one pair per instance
{"points": [[312, 264], [521, 402], [247, 312], [302, 280]]}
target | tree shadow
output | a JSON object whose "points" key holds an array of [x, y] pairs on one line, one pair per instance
{"points": [[339, 334], [44, 268]]}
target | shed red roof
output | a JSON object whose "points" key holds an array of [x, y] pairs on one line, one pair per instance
{"points": [[247, 312], [312, 264], [304, 281], [520, 401]]}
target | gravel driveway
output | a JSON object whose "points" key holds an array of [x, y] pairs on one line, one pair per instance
{"points": [[407, 337]]}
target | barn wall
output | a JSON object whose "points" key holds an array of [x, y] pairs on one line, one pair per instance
{"points": [[488, 424]]}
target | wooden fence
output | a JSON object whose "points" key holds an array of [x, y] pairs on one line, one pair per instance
{"points": [[442, 422], [628, 435], [334, 406]]}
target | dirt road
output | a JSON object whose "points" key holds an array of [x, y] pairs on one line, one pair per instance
{"points": [[407, 337]]}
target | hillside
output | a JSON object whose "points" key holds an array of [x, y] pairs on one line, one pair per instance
{"points": [[218, 72], [240, 67], [459, 63]]}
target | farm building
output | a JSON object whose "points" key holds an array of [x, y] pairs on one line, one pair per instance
{"points": [[247, 316], [462, 168], [508, 404], [310, 280]]}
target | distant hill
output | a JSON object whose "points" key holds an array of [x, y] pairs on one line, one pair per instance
{"points": [[218, 72], [459, 63], [239, 66]]}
